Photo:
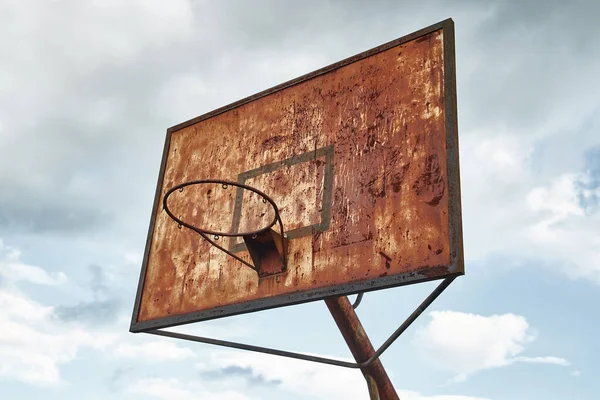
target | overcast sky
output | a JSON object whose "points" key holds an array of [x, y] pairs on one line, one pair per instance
{"points": [[87, 90]]}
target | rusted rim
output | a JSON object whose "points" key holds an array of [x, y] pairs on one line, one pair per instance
{"points": [[181, 186], [205, 233]]}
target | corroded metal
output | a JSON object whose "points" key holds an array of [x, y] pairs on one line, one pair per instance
{"points": [[357, 300], [362, 159], [267, 248], [268, 252], [361, 348]]}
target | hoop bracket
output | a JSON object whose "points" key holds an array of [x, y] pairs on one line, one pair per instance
{"points": [[267, 250]]}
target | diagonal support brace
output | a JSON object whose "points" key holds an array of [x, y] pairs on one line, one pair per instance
{"points": [[299, 356]]}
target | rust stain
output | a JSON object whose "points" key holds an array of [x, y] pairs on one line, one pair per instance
{"points": [[430, 185], [388, 211]]}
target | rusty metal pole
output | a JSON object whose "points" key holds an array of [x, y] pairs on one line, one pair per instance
{"points": [[355, 336]]}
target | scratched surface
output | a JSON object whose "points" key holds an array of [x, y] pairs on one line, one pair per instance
{"points": [[384, 117]]}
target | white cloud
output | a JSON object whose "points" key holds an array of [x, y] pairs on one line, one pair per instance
{"points": [[544, 360], [181, 95], [559, 199], [162, 389], [190, 94], [464, 343], [404, 395], [170, 389], [492, 165], [308, 380], [33, 343], [508, 208], [560, 231], [99, 31], [505, 157], [14, 270], [157, 351], [298, 377], [133, 258]]}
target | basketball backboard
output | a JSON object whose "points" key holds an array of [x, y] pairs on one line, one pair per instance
{"points": [[361, 158]]}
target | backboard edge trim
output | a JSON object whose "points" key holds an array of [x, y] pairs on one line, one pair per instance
{"points": [[452, 150], [156, 205], [297, 298]]}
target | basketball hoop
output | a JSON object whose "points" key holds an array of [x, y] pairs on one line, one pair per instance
{"points": [[267, 247]]}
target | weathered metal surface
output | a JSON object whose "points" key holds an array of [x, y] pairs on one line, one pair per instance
{"points": [[360, 346], [361, 159], [264, 245], [267, 250]]}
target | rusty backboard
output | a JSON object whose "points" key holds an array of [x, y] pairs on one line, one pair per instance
{"points": [[361, 158]]}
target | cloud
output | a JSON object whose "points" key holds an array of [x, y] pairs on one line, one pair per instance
{"points": [[133, 259], [511, 208], [464, 343], [305, 379], [564, 230], [99, 282], [162, 389], [157, 351], [404, 395], [118, 377], [14, 270], [30, 216], [105, 305], [544, 360], [588, 184], [99, 311], [33, 345], [505, 157], [34, 340], [293, 376], [37, 339], [559, 199], [169, 389], [246, 373], [63, 124]]}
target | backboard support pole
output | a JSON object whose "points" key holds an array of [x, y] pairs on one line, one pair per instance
{"points": [[342, 311]]}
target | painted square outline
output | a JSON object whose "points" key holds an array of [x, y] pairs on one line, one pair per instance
{"points": [[326, 152]]}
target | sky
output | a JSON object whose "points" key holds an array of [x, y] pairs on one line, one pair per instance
{"points": [[87, 90]]}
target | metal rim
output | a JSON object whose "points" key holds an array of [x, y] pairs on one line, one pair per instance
{"points": [[205, 233], [276, 217]]}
